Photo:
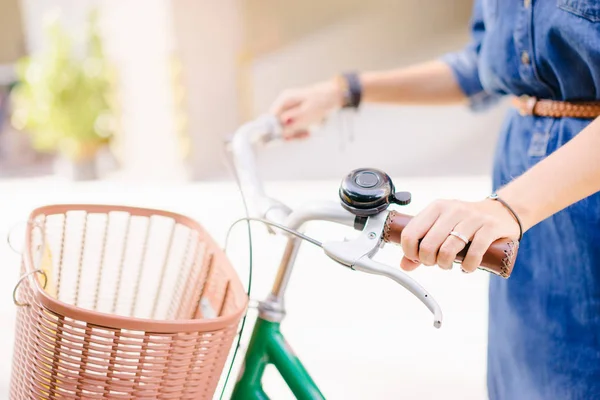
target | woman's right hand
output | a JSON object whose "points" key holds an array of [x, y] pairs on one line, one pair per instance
{"points": [[299, 108]]}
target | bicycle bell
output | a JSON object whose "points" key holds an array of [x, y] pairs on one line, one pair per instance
{"points": [[368, 191]]}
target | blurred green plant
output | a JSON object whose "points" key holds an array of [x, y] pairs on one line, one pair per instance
{"points": [[64, 101]]}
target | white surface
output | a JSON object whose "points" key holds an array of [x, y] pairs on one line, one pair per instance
{"points": [[360, 336]]}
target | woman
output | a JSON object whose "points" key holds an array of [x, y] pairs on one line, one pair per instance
{"points": [[544, 322]]}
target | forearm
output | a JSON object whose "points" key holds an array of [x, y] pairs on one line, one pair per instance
{"points": [[570, 174], [428, 83]]}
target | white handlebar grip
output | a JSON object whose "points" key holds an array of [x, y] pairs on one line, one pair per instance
{"points": [[365, 264], [265, 129], [262, 130]]}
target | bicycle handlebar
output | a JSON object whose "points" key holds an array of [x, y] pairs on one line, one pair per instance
{"points": [[499, 258], [378, 229], [261, 130]]}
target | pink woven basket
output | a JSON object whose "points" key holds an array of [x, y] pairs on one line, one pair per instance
{"points": [[122, 303]]}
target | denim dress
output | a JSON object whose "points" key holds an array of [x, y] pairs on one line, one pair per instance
{"points": [[544, 321]]}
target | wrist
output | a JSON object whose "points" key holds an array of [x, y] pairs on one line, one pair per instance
{"points": [[339, 90], [520, 206]]}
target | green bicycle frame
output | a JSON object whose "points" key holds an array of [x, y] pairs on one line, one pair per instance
{"points": [[268, 346]]}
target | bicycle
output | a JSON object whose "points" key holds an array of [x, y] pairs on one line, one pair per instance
{"points": [[365, 198], [123, 302]]}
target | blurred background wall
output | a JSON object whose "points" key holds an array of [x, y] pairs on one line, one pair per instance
{"points": [[190, 71]]}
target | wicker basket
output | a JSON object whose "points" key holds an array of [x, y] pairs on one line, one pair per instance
{"points": [[122, 303]]}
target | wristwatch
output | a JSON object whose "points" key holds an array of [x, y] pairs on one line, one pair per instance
{"points": [[351, 89]]}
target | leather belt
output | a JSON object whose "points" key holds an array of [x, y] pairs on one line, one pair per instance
{"points": [[556, 109]]}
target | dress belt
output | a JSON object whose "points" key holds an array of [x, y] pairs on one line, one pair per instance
{"points": [[528, 105]]}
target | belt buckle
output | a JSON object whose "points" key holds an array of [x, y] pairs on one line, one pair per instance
{"points": [[527, 105]]}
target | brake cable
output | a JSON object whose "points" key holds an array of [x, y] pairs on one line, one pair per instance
{"points": [[276, 225]]}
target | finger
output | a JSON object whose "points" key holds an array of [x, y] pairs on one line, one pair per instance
{"points": [[290, 117], [416, 229], [481, 242], [453, 245], [285, 102], [409, 265], [294, 121], [435, 237], [299, 135]]}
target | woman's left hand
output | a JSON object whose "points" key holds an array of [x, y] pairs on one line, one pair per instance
{"points": [[480, 222]]}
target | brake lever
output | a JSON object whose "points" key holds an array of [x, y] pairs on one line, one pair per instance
{"points": [[357, 254]]}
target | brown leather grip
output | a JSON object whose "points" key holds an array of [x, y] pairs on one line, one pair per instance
{"points": [[499, 259]]}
